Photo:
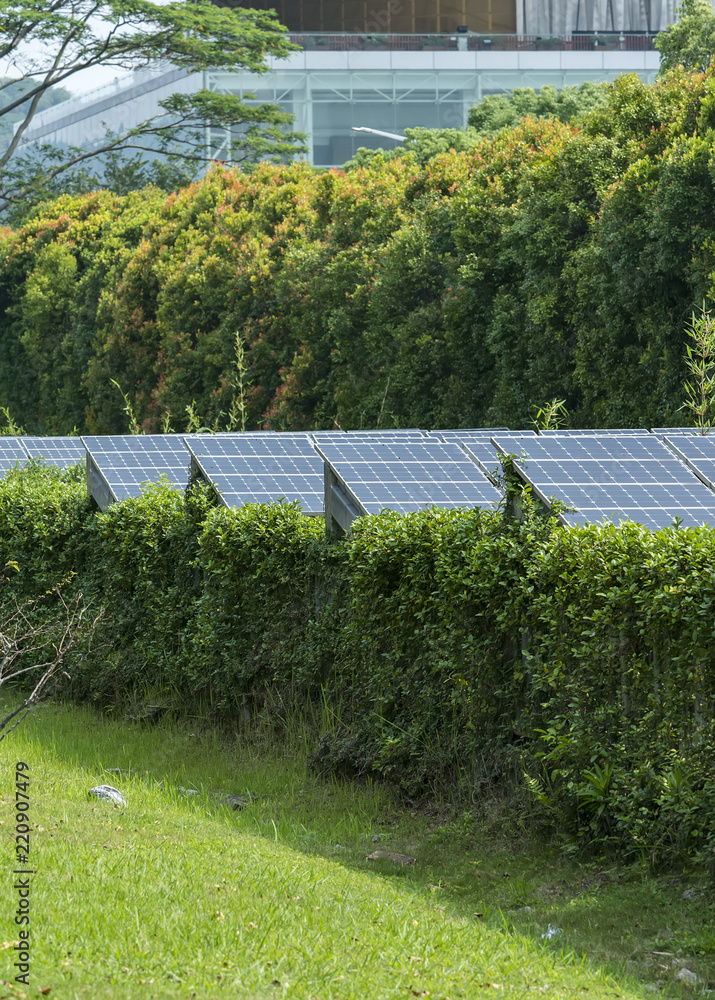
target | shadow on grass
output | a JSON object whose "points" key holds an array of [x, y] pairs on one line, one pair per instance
{"points": [[615, 917]]}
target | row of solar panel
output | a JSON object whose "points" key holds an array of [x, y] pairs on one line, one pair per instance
{"points": [[70, 450], [650, 478], [65, 450], [405, 471]]}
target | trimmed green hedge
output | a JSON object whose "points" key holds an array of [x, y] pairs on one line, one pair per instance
{"points": [[441, 643], [45, 517]]}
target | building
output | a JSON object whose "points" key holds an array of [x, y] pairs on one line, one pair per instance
{"points": [[392, 65], [551, 18]]}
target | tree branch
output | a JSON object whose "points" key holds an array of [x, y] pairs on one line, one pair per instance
{"points": [[21, 638], [189, 35]]}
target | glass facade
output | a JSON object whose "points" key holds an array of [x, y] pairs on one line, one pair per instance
{"points": [[337, 82], [329, 102]]}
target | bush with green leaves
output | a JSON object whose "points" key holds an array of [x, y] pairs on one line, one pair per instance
{"points": [[261, 569], [555, 254], [54, 273], [442, 647], [45, 521]]}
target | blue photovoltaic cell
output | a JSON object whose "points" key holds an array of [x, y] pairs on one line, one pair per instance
{"points": [[698, 451], [12, 453], [482, 449], [62, 451], [328, 435], [585, 447], [127, 463], [254, 469], [407, 476], [632, 477]]}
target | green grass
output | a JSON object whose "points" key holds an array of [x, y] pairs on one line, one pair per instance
{"points": [[179, 897]]}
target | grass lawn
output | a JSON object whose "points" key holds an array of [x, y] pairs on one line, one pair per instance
{"points": [[175, 896]]}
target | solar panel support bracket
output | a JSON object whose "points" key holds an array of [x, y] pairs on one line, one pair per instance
{"points": [[340, 511], [97, 487]]}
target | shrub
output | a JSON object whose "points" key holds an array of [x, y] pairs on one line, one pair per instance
{"points": [[442, 646]]}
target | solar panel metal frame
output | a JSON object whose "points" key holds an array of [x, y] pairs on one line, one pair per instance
{"points": [[204, 466], [681, 482], [677, 447], [343, 502], [103, 485]]}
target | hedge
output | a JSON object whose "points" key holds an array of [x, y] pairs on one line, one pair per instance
{"points": [[548, 259], [441, 643]]}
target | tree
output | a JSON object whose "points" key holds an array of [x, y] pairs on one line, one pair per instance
{"points": [[497, 111], [48, 43], [690, 42]]}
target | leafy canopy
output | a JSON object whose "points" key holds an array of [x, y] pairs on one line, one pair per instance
{"points": [[497, 111], [48, 44], [690, 42]]}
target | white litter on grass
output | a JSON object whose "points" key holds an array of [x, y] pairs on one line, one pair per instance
{"points": [[106, 793], [551, 932], [686, 976]]}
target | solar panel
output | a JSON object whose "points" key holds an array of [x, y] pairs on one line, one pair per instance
{"points": [[588, 430], [481, 448], [261, 469], [260, 433], [629, 476], [406, 476], [387, 431], [120, 466], [356, 437], [473, 432], [12, 453], [698, 452], [335, 432], [61, 451], [663, 431]]}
